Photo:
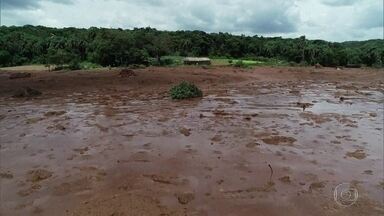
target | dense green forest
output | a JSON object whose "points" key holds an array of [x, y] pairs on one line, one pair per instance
{"points": [[118, 47]]}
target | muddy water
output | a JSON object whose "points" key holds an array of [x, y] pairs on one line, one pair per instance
{"points": [[238, 151]]}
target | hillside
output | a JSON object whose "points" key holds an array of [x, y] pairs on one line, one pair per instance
{"points": [[118, 47]]}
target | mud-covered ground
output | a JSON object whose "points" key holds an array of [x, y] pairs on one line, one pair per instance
{"points": [[264, 141]]}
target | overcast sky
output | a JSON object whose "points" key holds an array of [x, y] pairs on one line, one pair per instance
{"points": [[334, 20]]}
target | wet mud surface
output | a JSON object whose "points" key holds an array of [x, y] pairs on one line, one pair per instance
{"points": [[260, 142]]}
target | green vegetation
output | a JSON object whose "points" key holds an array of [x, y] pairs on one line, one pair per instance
{"points": [[221, 62], [185, 90], [166, 61], [89, 65], [147, 46], [249, 63], [246, 63]]}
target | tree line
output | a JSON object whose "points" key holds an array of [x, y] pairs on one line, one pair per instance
{"points": [[118, 47]]}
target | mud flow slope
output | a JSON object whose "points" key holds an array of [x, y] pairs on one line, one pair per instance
{"points": [[260, 142]]}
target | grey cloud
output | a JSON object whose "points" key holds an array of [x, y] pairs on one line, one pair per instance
{"points": [[339, 2], [324, 19], [203, 14], [28, 4], [371, 17], [271, 21], [153, 2], [233, 17]]}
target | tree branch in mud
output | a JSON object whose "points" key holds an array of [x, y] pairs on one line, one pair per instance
{"points": [[270, 177]]}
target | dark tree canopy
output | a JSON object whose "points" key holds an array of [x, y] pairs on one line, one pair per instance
{"points": [[117, 47]]}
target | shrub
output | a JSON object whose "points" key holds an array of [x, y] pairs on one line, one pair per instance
{"points": [[166, 62], [5, 58], [89, 65], [58, 68], [185, 90], [74, 65], [153, 62], [240, 64], [137, 66]]}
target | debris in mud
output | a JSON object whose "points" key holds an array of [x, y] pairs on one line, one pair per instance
{"points": [[285, 179], [164, 179], [81, 150], [33, 120], [347, 122], [216, 138], [358, 154], [318, 119], [294, 91], [304, 105], [220, 113], [279, 140], [54, 113], [185, 131], [368, 172], [278, 153], [6, 175], [382, 185], [26, 92], [60, 127], [29, 191], [57, 127], [185, 198], [219, 182], [20, 75], [247, 118], [129, 135], [38, 175], [347, 87], [270, 177], [252, 145], [127, 73], [373, 115], [101, 128], [316, 186]]}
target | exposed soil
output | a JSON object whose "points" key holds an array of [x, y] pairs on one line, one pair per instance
{"points": [[264, 141]]}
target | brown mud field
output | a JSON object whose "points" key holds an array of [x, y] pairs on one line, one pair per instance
{"points": [[264, 141]]}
